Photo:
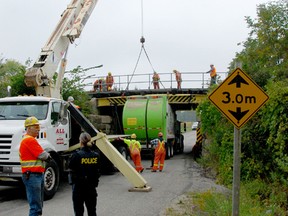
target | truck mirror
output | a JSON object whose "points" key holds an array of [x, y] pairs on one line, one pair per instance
{"points": [[63, 113], [63, 110]]}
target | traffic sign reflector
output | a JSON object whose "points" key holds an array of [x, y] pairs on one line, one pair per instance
{"points": [[238, 97]]}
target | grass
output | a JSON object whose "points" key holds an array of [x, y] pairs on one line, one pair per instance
{"points": [[213, 203]]}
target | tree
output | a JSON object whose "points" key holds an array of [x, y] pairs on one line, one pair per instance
{"points": [[12, 74], [73, 85], [265, 55]]}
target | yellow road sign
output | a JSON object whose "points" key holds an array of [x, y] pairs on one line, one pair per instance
{"points": [[238, 97]]}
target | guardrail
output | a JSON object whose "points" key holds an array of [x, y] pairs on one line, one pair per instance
{"points": [[167, 80]]}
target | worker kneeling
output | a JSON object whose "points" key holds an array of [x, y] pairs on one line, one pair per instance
{"points": [[135, 149]]}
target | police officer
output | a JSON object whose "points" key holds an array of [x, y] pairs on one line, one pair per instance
{"points": [[84, 176]]}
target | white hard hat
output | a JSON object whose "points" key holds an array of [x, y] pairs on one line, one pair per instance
{"points": [[70, 99]]}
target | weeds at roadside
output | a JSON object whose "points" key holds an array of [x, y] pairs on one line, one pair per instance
{"points": [[212, 203]]}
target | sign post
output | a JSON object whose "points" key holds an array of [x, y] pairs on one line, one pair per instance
{"points": [[238, 98]]}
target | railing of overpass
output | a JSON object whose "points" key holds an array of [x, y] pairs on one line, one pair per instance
{"points": [[167, 80]]}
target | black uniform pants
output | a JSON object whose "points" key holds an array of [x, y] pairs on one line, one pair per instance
{"points": [[84, 194]]}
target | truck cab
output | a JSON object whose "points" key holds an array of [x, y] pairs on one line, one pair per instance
{"points": [[54, 135]]}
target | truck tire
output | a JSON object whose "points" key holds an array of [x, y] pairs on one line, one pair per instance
{"points": [[51, 179], [171, 151], [123, 151], [181, 150], [168, 153]]}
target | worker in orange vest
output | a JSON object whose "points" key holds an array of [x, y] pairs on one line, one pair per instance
{"points": [[178, 78], [135, 149], [96, 85], [160, 153], [155, 80], [32, 157], [213, 74], [109, 81]]}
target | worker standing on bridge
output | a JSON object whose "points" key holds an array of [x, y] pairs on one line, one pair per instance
{"points": [[84, 177], [160, 152], [109, 81], [213, 74], [178, 78], [156, 80], [135, 149]]}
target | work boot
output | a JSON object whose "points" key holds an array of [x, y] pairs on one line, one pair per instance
{"points": [[153, 170]]}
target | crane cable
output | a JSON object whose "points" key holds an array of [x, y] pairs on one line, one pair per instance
{"points": [[142, 40]]}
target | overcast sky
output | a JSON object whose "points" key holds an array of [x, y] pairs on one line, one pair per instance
{"points": [[186, 35]]}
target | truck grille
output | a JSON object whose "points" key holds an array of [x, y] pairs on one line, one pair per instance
{"points": [[5, 146]]}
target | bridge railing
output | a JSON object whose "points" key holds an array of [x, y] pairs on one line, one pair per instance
{"points": [[167, 80]]}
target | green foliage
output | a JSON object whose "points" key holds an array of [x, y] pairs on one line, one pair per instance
{"points": [[215, 203], [264, 55], [264, 138], [73, 86], [219, 145], [12, 74]]}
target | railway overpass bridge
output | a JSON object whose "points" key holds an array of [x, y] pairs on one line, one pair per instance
{"points": [[194, 88]]}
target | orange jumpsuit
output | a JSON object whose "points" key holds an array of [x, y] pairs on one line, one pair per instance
{"points": [[156, 80], [135, 147], [109, 82], [213, 75], [160, 153], [97, 85], [178, 79]]}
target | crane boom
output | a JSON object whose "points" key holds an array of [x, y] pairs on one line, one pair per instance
{"points": [[69, 27]]}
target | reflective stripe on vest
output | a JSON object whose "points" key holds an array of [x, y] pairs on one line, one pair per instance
{"points": [[134, 148], [160, 147], [31, 164]]}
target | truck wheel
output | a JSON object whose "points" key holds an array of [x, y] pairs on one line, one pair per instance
{"points": [[51, 179], [168, 152], [123, 152], [181, 150], [171, 151]]}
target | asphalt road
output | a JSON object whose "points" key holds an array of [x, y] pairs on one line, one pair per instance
{"points": [[181, 174]]}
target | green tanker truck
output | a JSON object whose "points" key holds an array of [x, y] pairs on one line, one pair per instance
{"points": [[146, 116]]}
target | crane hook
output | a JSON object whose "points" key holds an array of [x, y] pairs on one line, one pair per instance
{"points": [[142, 40]]}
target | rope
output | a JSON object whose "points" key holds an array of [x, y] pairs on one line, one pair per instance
{"points": [[134, 69], [148, 58], [142, 40]]}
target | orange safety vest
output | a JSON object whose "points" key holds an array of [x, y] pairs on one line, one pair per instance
{"points": [[178, 77], [213, 72], [156, 77], [109, 80], [29, 151], [160, 148]]}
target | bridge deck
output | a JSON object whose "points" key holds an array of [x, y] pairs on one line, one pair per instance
{"points": [[175, 96]]}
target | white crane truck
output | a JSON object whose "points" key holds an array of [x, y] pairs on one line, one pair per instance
{"points": [[61, 122]]}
